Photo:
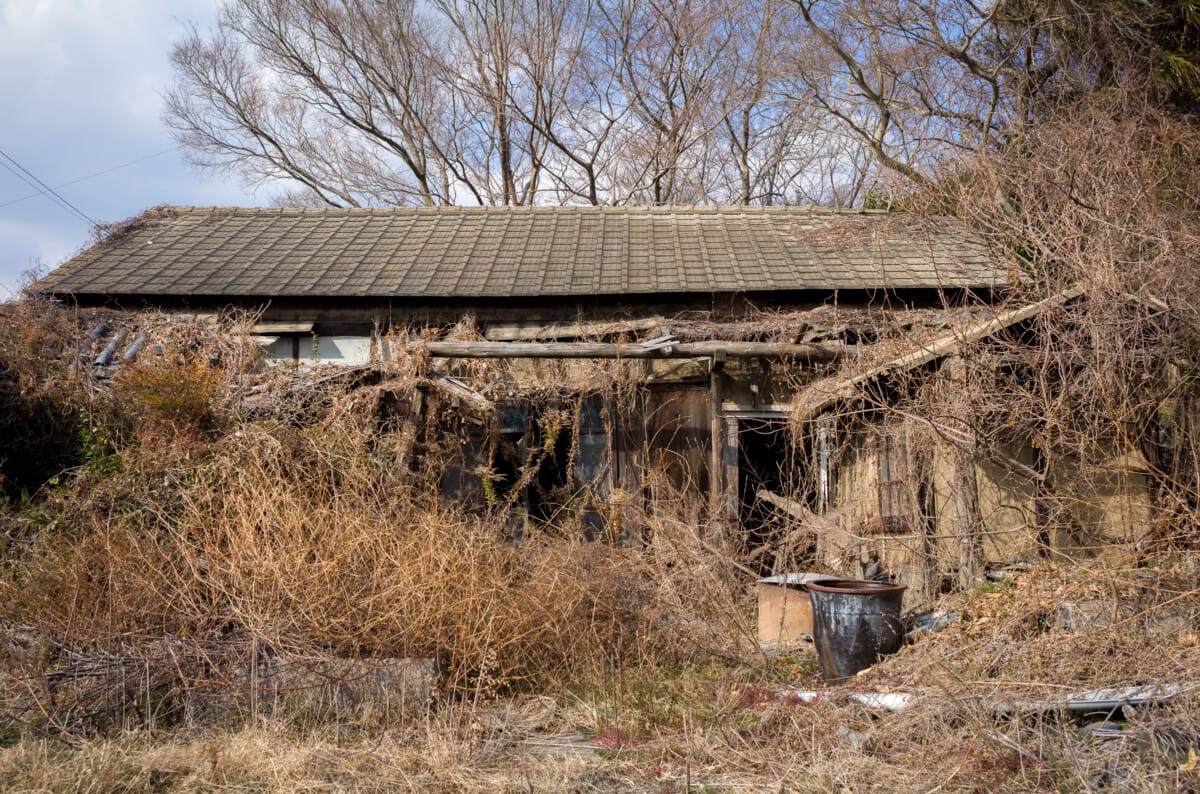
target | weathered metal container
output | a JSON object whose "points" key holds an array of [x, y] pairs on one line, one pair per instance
{"points": [[854, 623]]}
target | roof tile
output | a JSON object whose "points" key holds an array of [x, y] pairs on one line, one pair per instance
{"points": [[523, 251]]}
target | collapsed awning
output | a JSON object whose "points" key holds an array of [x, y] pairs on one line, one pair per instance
{"points": [[824, 395]]}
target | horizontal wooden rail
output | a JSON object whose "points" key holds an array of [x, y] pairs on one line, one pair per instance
{"points": [[804, 352]]}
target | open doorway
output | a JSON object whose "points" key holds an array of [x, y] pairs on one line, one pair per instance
{"points": [[772, 495]]}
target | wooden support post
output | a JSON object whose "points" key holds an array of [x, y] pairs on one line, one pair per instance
{"points": [[926, 504], [964, 490], [965, 493], [729, 466], [716, 479]]}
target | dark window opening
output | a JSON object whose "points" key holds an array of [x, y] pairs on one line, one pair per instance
{"points": [[461, 476], [592, 468], [508, 462], [569, 481], [550, 488]]}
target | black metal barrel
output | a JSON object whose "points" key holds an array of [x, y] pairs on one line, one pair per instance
{"points": [[854, 623]]}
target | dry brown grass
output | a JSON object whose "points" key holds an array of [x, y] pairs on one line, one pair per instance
{"points": [[318, 532], [707, 727], [303, 538], [323, 531], [263, 759], [310, 536]]}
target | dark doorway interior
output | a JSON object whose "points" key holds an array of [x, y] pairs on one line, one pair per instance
{"points": [[770, 488]]}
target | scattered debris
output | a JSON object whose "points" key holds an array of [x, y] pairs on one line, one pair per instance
{"points": [[928, 622], [1102, 700], [110, 351], [883, 701], [1092, 702], [209, 680], [131, 353], [856, 739], [1077, 616], [1007, 574]]}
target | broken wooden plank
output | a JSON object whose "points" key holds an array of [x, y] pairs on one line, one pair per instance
{"points": [[461, 391], [280, 327], [547, 331], [790, 506], [1096, 700]]}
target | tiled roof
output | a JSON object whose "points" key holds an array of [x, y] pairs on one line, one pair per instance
{"points": [[510, 252]]}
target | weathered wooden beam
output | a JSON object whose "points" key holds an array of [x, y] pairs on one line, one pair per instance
{"points": [[936, 349], [796, 510], [803, 352], [462, 391]]}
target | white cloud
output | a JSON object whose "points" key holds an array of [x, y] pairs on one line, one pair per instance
{"points": [[45, 244], [81, 83]]}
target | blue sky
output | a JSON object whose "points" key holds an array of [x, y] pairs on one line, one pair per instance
{"points": [[81, 82]]}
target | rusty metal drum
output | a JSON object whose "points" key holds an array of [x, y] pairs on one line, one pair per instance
{"points": [[854, 623]]}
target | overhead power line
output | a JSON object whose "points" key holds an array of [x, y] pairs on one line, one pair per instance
{"points": [[77, 180], [28, 178]]}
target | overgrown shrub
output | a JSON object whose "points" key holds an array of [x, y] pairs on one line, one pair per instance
{"points": [[175, 396], [42, 407], [1101, 198], [324, 535]]}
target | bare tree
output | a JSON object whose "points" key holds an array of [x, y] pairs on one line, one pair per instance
{"points": [[758, 131], [387, 102], [336, 96], [375, 102], [768, 148], [912, 80], [497, 153], [572, 98], [924, 82], [667, 55]]}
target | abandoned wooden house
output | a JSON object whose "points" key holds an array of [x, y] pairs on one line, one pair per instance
{"points": [[753, 343]]}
